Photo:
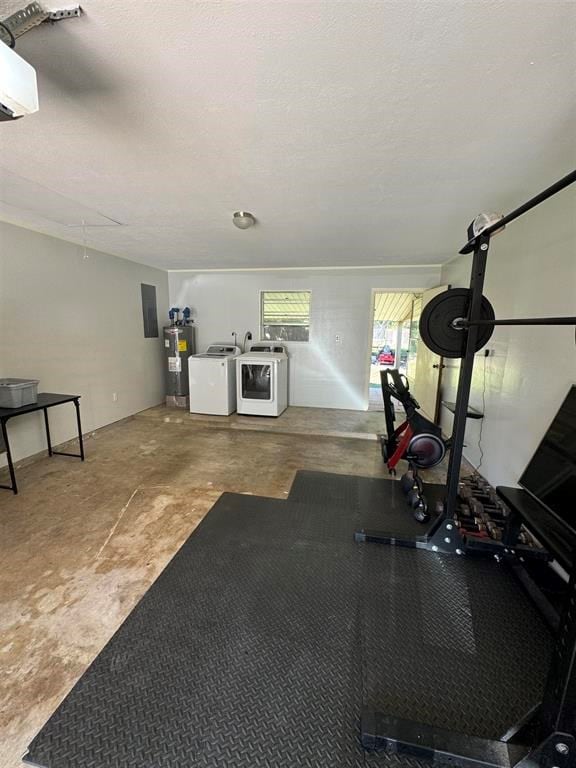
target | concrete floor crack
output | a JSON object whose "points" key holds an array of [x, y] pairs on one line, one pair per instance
{"points": [[116, 524]]}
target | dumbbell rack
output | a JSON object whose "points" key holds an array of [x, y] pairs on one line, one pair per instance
{"points": [[481, 525], [482, 517]]}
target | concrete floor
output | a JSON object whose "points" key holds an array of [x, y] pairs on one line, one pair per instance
{"points": [[323, 422], [81, 543]]}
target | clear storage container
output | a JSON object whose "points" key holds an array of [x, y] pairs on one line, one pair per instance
{"points": [[14, 393]]}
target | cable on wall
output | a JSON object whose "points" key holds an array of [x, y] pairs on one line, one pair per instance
{"points": [[477, 470]]}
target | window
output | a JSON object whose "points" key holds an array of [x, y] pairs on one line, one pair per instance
{"points": [[285, 315]]}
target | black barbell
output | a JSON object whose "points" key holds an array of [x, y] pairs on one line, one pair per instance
{"points": [[445, 317]]}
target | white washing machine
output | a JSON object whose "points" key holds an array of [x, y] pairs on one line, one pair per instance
{"points": [[262, 379], [212, 379]]}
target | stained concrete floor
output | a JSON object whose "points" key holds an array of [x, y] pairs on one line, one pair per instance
{"points": [[82, 542], [296, 421]]}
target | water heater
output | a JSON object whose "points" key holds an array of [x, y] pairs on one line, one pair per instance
{"points": [[179, 344]]}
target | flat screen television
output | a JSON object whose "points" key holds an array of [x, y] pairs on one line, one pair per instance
{"points": [[551, 473]]}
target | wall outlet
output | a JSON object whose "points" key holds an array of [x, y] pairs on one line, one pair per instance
{"points": [[114, 397], [338, 339]]}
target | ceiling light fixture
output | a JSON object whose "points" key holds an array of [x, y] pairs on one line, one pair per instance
{"points": [[243, 220]]}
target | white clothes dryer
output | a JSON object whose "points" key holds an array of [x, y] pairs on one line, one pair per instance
{"points": [[262, 379]]}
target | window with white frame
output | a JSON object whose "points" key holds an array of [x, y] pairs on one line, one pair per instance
{"points": [[285, 315]]}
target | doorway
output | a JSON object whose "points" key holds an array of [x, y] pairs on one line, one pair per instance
{"points": [[426, 385], [394, 338]]}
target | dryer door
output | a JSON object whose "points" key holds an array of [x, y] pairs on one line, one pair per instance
{"points": [[256, 381]]}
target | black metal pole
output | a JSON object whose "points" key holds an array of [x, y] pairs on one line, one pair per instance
{"points": [[466, 368], [532, 203], [522, 321]]}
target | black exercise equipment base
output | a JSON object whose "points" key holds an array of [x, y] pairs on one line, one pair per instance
{"points": [[443, 536], [444, 747], [45, 400], [397, 736]]}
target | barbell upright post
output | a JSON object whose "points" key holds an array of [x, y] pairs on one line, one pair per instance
{"points": [[481, 247]]}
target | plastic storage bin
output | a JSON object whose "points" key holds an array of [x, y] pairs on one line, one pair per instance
{"points": [[14, 393]]}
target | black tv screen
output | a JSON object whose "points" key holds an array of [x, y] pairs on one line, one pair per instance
{"points": [[551, 474]]}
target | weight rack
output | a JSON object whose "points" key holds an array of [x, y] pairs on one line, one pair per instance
{"points": [[546, 736], [475, 529]]}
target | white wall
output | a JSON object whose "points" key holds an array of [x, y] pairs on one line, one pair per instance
{"points": [[75, 324], [531, 273], [323, 373]]}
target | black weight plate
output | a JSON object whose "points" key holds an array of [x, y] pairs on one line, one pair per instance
{"points": [[436, 320]]}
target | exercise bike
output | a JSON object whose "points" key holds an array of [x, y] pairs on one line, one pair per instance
{"points": [[417, 440]]}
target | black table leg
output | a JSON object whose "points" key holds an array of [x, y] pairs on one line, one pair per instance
{"points": [[47, 432], [13, 487], [80, 439]]}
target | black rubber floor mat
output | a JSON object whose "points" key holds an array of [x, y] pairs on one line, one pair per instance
{"points": [[372, 502], [244, 653], [450, 641], [269, 631]]}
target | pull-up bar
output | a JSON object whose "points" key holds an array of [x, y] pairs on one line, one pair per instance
{"points": [[556, 187]]}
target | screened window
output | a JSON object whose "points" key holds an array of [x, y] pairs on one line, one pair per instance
{"points": [[285, 315]]}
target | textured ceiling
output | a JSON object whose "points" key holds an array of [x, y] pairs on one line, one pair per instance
{"points": [[357, 132]]}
